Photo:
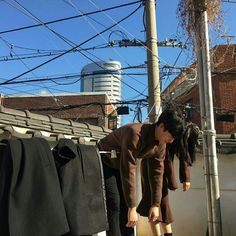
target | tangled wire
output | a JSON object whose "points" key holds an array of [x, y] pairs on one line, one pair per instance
{"points": [[189, 12]]}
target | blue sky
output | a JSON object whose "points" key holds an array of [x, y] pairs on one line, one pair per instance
{"points": [[35, 41]]}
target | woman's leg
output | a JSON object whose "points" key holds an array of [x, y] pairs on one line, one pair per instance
{"points": [[125, 231], [145, 202], [155, 227], [166, 210], [166, 228]]}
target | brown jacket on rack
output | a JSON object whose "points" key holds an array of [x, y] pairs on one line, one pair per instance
{"points": [[132, 142]]}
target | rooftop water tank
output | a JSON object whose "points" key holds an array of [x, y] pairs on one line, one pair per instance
{"points": [[102, 76]]}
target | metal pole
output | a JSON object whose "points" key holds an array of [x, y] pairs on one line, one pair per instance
{"points": [[154, 93], [152, 62], [207, 121]]}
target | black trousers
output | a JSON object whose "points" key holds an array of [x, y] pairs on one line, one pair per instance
{"points": [[116, 207]]}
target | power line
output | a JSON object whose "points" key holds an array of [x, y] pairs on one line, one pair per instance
{"points": [[46, 53], [73, 48], [73, 76], [62, 77], [43, 79], [192, 106], [68, 107], [57, 101], [70, 42], [77, 9], [69, 18], [228, 1], [176, 60], [66, 40], [8, 44]]}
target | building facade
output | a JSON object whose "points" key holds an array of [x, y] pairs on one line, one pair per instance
{"points": [[92, 108], [184, 90], [105, 77], [102, 76]]}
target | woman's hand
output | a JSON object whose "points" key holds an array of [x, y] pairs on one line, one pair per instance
{"points": [[132, 217], [153, 214], [186, 186]]}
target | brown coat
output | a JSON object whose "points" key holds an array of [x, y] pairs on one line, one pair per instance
{"points": [[132, 142], [169, 182], [184, 172]]}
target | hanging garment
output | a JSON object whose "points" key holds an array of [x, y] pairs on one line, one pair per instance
{"points": [[81, 178], [5, 181], [30, 190]]}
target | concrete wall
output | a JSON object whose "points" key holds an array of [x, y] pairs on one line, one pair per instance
{"points": [[190, 208]]}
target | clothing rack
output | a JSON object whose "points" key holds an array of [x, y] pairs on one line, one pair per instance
{"points": [[24, 125], [11, 132], [8, 132]]}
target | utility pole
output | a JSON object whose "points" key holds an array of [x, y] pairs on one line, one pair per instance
{"points": [[154, 91], [207, 119]]}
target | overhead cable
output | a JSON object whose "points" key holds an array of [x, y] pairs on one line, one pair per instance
{"points": [[68, 107], [77, 9], [46, 53], [73, 48], [57, 101], [228, 1], [60, 78], [69, 18], [69, 42]]}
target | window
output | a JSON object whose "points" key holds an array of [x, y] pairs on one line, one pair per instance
{"points": [[189, 110]]}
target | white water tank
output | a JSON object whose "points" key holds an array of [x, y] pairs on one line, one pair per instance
{"points": [[102, 76]]}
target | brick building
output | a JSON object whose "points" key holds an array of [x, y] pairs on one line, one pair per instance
{"points": [[184, 90], [93, 108]]}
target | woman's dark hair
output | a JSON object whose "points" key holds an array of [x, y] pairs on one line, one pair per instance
{"points": [[172, 122], [185, 146]]}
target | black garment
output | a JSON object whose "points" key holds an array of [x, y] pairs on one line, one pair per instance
{"points": [[81, 178], [30, 190], [5, 182], [116, 206]]}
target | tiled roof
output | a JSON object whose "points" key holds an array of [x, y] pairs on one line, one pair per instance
{"points": [[225, 143], [24, 124], [34, 124]]}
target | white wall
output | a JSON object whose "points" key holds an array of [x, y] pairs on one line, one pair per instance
{"points": [[190, 208]]}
